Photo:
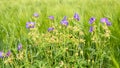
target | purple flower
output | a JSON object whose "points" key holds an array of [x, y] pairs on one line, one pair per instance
{"points": [[1, 54], [105, 20], [30, 25], [64, 21], [19, 46], [91, 29], [76, 16], [51, 17], [91, 20], [36, 15], [108, 23], [8, 53], [50, 29]]}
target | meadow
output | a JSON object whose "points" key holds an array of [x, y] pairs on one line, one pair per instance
{"points": [[59, 33]]}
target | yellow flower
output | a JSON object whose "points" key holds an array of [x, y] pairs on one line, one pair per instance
{"points": [[76, 54], [20, 56], [81, 33], [75, 29], [81, 52], [61, 63], [82, 41], [9, 60]]}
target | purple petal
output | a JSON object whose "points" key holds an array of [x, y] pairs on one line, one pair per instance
{"points": [[36, 15], [108, 23], [1, 54], [30, 25], [8, 53], [91, 20], [103, 20], [51, 17], [64, 21], [64, 18], [19, 47], [76, 16], [50, 29], [91, 29]]}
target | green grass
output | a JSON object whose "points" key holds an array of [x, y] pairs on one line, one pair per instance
{"points": [[62, 47]]}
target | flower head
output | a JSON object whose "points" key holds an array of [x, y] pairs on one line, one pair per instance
{"points": [[51, 17], [36, 15], [30, 24], [91, 29], [50, 29], [91, 20], [1, 54], [64, 21], [19, 46], [105, 20], [76, 16], [8, 53], [108, 23]]}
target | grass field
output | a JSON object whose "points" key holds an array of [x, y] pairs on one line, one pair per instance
{"points": [[48, 43]]}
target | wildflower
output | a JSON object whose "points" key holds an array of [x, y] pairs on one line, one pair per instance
{"points": [[30, 25], [50, 29], [81, 52], [81, 33], [20, 56], [51, 17], [76, 29], [36, 15], [8, 53], [82, 40], [19, 47], [91, 29], [76, 54], [89, 60], [1, 54], [61, 63], [76, 16], [70, 27], [93, 61], [108, 23], [9, 61], [91, 20], [66, 49], [105, 20], [64, 21]]}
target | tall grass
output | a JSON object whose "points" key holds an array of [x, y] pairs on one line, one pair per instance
{"points": [[71, 46]]}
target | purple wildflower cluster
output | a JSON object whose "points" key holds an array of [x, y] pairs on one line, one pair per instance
{"points": [[65, 22], [103, 20], [91, 21], [3, 55]]}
